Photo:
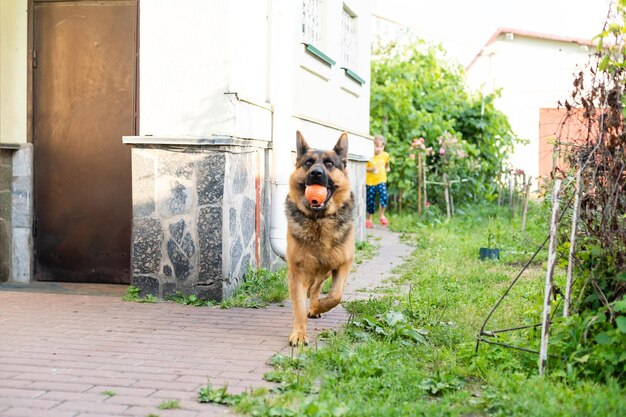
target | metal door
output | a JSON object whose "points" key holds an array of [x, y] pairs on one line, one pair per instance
{"points": [[84, 73]]}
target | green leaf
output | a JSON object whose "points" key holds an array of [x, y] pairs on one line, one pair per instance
{"points": [[621, 323], [394, 317], [413, 334], [620, 306], [582, 359], [596, 251], [603, 338]]}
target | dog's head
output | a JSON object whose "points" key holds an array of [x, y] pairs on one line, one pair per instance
{"points": [[327, 168]]}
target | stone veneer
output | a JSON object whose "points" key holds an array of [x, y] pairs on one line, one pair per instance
{"points": [[6, 176], [16, 212], [356, 168], [194, 218]]}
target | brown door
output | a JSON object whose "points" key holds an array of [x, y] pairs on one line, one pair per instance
{"points": [[84, 76]]}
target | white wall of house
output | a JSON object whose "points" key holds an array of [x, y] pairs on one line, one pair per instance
{"points": [[184, 68], [324, 95], [187, 71], [213, 75], [533, 72], [13, 71]]}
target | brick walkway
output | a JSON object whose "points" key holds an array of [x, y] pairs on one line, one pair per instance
{"points": [[60, 354]]}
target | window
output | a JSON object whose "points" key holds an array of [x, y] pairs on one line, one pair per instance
{"points": [[348, 39], [311, 25], [349, 45]]}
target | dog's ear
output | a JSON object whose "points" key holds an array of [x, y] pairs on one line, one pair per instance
{"points": [[341, 148], [301, 146]]}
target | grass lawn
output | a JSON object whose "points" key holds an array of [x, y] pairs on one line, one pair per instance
{"points": [[411, 352]]}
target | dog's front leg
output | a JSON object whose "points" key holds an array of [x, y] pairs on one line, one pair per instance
{"points": [[340, 275], [297, 293], [314, 298]]}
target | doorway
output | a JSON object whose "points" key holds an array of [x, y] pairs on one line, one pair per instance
{"points": [[84, 101]]}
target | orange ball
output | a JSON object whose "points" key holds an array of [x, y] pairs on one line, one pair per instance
{"points": [[315, 194]]}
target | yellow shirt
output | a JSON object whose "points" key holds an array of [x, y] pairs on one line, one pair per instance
{"points": [[380, 161]]}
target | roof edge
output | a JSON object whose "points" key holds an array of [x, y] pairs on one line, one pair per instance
{"points": [[501, 31]]}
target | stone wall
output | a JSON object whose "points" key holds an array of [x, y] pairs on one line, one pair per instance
{"points": [[23, 214], [194, 218], [16, 213], [357, 178], [6, 177]]}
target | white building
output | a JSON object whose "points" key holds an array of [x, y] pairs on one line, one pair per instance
{"points": [[533, 71], [207, 95]]}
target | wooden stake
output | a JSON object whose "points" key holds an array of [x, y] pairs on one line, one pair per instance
{"points": [[451, 199], [424, 181], [447, 195], [514, 204], [555, 157], [545, 325], [572, 244], [511, 192], [521, 193], [499, 181], [419, 183], [525, 207]]}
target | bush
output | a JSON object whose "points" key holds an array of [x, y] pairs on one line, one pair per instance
{"points": [[420, 104]]}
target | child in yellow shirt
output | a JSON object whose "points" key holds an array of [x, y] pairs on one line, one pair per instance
{"points": [[376, 182]]}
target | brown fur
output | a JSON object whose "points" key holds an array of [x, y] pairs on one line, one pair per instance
{"points": [[319, 242]]}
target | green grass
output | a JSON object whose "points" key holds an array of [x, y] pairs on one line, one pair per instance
{"points": [[412, 353], [366, 249], [133, 294], [169, 405], [260, 288]]}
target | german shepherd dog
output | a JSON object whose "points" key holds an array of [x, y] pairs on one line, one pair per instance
{"points": [[320, 237]]}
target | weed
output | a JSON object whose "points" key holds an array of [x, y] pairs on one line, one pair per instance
{"points": [[169, 405], [134, 294], [108, 393], [259, 288], [220, 395], [191, 300], [364, 250]]}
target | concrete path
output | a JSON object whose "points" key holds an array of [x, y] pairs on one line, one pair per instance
{"points": [[65, 351], [375, 272]]}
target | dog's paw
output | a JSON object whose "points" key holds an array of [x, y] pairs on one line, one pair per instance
{"points": [[298, 338], [314, 315]]}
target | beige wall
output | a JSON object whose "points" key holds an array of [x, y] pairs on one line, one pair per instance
{"points": [[13, 70]]}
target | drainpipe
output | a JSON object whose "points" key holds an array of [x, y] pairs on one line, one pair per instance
{"points": [[281, 69]]}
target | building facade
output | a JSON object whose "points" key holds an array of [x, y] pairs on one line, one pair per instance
{"points": [[533, 72], [151, 141]]}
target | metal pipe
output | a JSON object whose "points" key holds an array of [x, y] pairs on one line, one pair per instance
{"points": [[282, 28]]}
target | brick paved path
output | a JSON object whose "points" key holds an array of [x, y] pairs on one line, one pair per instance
{"points": [[61, 353]]}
